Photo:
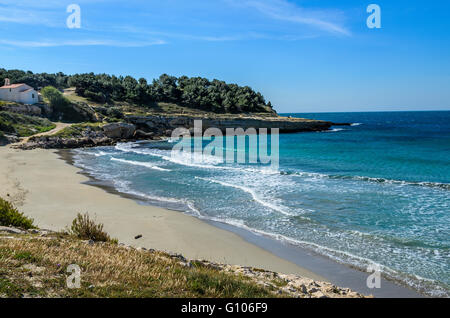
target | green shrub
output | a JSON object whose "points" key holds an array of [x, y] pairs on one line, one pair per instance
{"points": [[10, 216], [23, 125], [76, 130], [96, 97], [86, 229], [56, 99], [63, 108], [115, 112], [203, 283]]}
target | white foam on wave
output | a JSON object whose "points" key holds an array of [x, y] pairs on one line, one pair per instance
{"points": [[177, 157], [103, 153], [356, 124], [204, 161], [253, 194], [370, 179], [429, 286], [338, 255], [124, 186], [335, 130], [139, 163]]}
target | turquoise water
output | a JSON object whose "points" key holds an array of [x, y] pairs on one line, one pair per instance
{"points": [[376, 192]]}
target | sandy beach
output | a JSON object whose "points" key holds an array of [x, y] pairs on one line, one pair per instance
{"points": [[52, 192]]}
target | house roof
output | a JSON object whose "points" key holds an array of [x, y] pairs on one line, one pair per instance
{"points": [[12, 86], [27, 90]]}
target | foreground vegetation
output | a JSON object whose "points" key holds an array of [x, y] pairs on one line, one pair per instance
{"points": [[84, 228], [34, 265], [10, 216]]}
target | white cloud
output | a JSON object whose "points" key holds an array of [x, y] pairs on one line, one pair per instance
{"points": [[40, 44], [49, 13], [284, 10], [137, 31], [23, 16]]}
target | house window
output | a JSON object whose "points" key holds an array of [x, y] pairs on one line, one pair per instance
{"points": [[10, 89], [32, 96]]}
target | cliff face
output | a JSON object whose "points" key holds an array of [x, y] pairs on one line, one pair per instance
{"points": [[163, 124]]}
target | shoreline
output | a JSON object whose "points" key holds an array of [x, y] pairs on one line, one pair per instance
{"points": [[321, 265], [52, 192], [163, 229]]}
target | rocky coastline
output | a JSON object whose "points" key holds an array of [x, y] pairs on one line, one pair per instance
{"points": [[157, 127]]}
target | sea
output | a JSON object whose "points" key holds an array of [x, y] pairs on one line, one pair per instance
{"points": [[376, 193]]}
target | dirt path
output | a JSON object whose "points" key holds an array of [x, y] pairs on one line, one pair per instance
{"points": [[58, 128]]}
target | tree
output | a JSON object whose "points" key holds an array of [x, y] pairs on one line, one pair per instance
{"points": [[192, 92], [61, 106]]}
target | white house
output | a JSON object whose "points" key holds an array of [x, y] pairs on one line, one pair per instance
{"points": [[19, 93]]}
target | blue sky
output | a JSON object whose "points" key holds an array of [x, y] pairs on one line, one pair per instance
{"points": [[304, 56]]}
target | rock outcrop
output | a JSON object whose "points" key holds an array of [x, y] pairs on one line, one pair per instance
{"points": [[107, 135], [119, 130], [161, 124], [292, 285], [157, 127], [30, 110], [8, 139]]}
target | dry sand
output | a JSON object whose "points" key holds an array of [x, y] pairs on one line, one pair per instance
{"points": [[52, 192]]}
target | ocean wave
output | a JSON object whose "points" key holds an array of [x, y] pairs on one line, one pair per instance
{"points": [[102, 153], [124, 187], [177, 157], [139, 163], [428, 286], [96, 152], [425, 285], [335, 130], [213, 162], [255, 197], [203, 161], [445, 186]]}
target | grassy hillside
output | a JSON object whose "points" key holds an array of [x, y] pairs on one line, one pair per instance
{"points": [[23, 125], [116, 110]]}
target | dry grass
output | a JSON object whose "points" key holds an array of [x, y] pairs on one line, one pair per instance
{"points": [[33, 266]]}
